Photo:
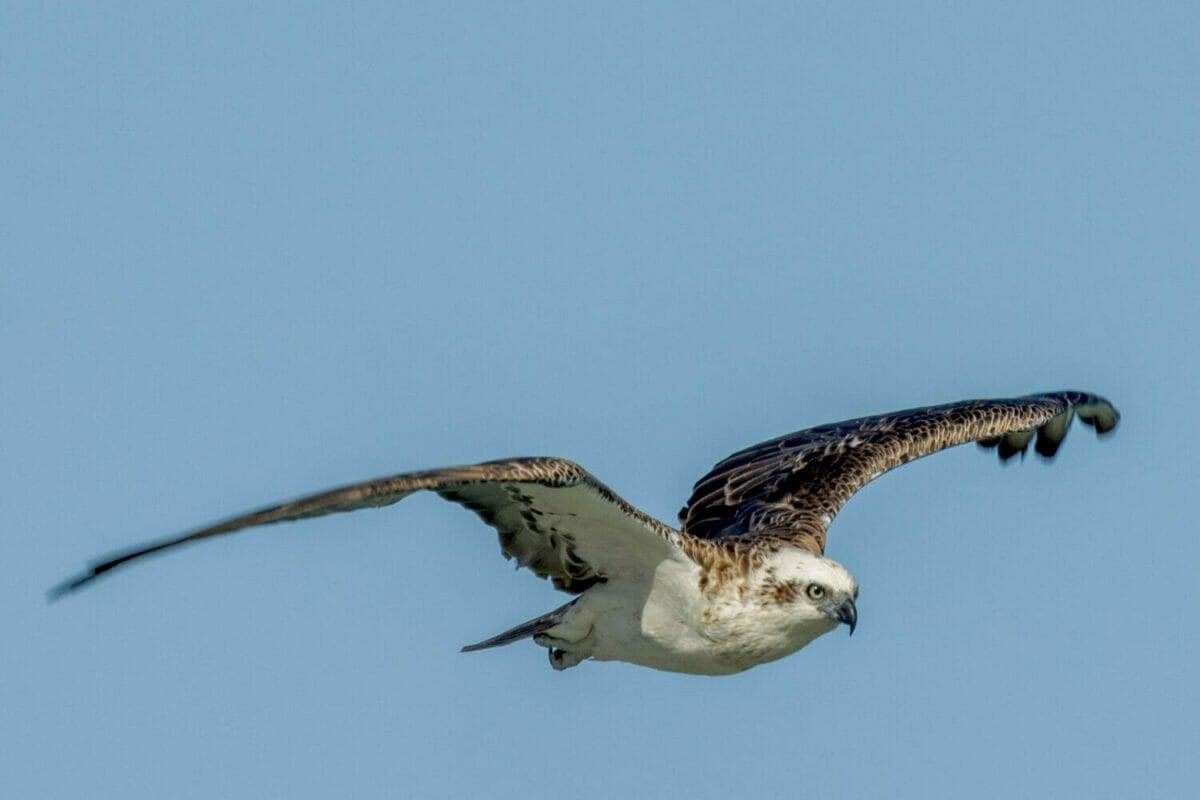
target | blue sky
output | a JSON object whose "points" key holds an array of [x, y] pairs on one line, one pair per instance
{"points": [[251, 252]]}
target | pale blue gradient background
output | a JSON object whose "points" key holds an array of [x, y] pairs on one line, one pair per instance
{"points": [[251, 252]]}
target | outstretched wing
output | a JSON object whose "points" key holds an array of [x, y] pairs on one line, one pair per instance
{"points": [[791, 488], [552, 516]]}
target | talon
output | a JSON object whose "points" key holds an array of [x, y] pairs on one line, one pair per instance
{"points": [[562, 659]]}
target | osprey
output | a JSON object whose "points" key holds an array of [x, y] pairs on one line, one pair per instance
{"points": [[742, 581]]}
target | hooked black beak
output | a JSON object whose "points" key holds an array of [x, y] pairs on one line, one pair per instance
{"points": [[846, 613]]}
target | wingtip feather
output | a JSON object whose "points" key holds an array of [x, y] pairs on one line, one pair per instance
{"points": [[1101, 415], [69, 586]]}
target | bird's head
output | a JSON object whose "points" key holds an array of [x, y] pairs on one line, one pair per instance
{"points": [[816, 591]]}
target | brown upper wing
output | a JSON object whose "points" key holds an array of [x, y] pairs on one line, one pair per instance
{"points": [[551, 515], [791, 488]]}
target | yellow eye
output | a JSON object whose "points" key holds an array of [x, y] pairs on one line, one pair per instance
{"points": [[816, 592]]}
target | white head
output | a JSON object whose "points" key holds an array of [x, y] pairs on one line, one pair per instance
{"points": [[816, 592]]}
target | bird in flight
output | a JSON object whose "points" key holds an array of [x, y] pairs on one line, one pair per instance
{"points": [[744, 580]]}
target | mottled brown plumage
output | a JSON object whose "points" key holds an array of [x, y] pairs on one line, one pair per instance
{"points": [[789, 489]]}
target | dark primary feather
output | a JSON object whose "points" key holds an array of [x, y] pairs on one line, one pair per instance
{"points": [[790, 488]]}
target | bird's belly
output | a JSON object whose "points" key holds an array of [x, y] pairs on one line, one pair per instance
{"points": [[667, 647], [666, 627]]}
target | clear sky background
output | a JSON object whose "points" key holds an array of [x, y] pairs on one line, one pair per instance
{"points": [[251, 252]]}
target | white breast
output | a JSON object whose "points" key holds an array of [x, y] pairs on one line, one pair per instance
{"points": [[668, 624]]}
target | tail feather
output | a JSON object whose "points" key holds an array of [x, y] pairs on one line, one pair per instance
{"points": [[526, 629]]}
